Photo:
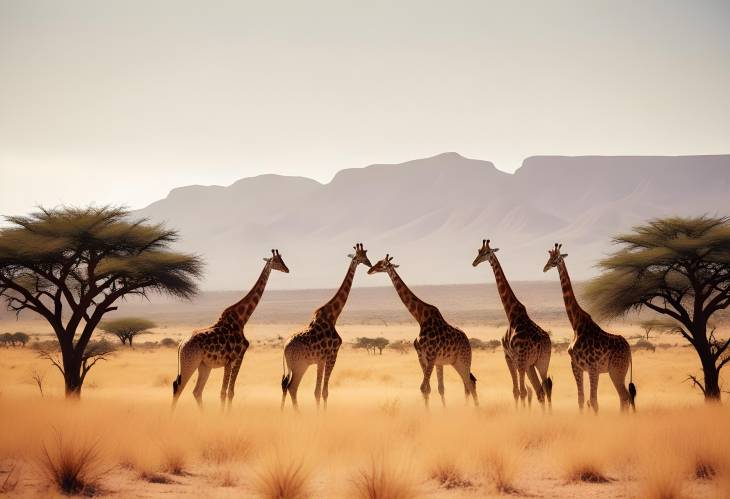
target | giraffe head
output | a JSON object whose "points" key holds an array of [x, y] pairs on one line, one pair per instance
{"points": [[361, 255], [383, 265], [484, 253], [276, 262], [555, 257]]}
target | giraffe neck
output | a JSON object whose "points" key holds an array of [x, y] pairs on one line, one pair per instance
{"points": [[419, 309], [512, 306], [331, 310], [576, 314], [240, 311]]}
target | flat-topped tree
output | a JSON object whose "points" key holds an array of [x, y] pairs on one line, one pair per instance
{"points": [[127, 328], [680, 268], [70, 266]]}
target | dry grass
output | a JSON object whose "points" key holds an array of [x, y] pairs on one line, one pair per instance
{"points": [[449, 475], [73, 468], [10, 482], [501, 466], [382, 479], [283, 479], [436, 453]]}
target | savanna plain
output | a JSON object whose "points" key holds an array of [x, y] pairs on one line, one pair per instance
{"points": [[375, 440]]}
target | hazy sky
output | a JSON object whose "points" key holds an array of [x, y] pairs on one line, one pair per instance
{"points": [[118, 102]]}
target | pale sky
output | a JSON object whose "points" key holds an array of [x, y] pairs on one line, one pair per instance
{"points": [[118, 102]]}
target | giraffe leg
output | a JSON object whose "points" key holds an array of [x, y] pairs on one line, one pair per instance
{"points": [[513, 374], [470, 383], [224, 387], [547, 382], [318, 385], [536, 385], [523, 390], [329, 365], [426, 383], [296, 378], [593, 379], [578, 374], [440, 379], [234, 375], [203, 373], [188, 366], [618, 377]]}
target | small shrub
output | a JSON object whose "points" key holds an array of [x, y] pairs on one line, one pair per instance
{"points": [[72, 468], [174, 460], [226, 448], [448, 475], [158, 478], [283, 480], [501, 470], [382, 480], [643, 344], [168, 343]]}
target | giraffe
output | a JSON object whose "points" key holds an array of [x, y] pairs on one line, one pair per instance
{"points": [[593, 349], [526, 345], [319, 342], [438, 342], [222, 344]]}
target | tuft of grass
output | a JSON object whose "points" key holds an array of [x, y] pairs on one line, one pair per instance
{"points": [[580, 465], [279, 480], [501, 470], [73, 468], [382, 480], [705, 470], [174, 460], [449, 476], [662, 481], [223, 449], [225, 478]]}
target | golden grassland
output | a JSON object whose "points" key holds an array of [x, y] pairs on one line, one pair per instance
{"points": [[375, 440]]}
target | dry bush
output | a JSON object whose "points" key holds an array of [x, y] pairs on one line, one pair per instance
{"points": [[447, 473], [383, 480], [664, 476], [500, 466], [283, 480], [581, 466], [73, 468], [174, 459]]}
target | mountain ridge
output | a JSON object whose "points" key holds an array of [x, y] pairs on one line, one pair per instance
{"points": [[431, 213]]}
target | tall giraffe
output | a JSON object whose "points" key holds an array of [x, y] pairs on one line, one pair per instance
{"points": [[526, 345], [593, 349], [438, 342], [319, 342], [222, 344]]}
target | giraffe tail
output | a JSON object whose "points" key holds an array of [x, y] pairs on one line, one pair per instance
{"points": [[632, 386], [285, 379]]}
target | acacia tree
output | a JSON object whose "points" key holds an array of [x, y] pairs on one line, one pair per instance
{"points": [[679, 268], [70, 266], [127, 328]]}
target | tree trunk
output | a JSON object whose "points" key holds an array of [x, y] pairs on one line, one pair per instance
{"points": [[72, 376], [712, 381]]}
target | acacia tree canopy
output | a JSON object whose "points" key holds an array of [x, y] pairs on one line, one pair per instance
{"points": [[680, 268], [127, 328], [70, 265]]}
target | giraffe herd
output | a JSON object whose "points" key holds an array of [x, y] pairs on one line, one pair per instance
{"points": [[527, 347]]}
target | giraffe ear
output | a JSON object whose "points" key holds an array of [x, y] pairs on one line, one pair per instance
{"points": [[494, 250], [267, 259], [350, 256], [564, 255], [395, 266]]}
